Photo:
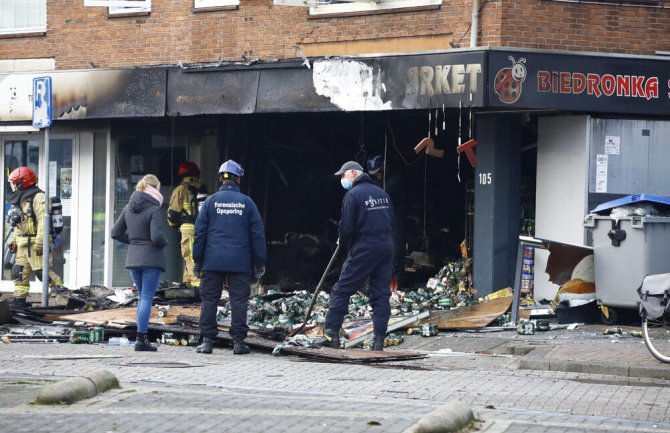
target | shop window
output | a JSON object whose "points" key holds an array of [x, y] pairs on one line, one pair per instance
{"points": [[139, 153], [60, 185], [23, 16], [17, 153], [201, 5], [99, 208]]}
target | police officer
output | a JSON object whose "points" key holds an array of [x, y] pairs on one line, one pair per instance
{"points": [[26, 215], [229, 246], [182, 212], [397, 191], [366, 230]]}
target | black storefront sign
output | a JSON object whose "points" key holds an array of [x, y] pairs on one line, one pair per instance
{"points": [[434, 80], [396, 83], [570, 82]]}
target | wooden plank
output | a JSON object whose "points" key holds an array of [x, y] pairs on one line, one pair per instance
{"points": [[330, 354], [323, 354], [469, 317], [128, 315]]}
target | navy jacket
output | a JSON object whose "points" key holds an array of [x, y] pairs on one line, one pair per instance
{"points": [[140, 225], [367, 212], [229, 233]]}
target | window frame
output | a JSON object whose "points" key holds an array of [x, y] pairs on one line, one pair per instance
{"points": [[115, 11], [17, 31], [372, 7], [205, 5]]}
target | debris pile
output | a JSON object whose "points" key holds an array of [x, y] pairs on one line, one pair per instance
{"points": [[450, 288], [283, 313]]}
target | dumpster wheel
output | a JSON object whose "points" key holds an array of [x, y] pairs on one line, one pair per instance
{"points": [[608, 315]]}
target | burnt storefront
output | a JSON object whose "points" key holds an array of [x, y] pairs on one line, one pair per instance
{"points": [[507, 142]]}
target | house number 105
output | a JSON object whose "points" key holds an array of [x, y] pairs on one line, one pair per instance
{"points": [[485, 179]]}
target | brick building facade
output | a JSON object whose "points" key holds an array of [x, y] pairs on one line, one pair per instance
{"points": [[174, 31]]}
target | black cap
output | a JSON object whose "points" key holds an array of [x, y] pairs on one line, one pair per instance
{"points": [[349, 165]]}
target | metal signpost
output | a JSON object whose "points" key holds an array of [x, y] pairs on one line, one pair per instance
{"points": [[42, 119]]}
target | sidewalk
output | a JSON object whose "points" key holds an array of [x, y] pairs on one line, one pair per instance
{"points": [[583, 350]]}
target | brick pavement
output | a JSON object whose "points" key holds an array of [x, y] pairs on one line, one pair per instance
{"points": [[292, 394], [566, 381]]}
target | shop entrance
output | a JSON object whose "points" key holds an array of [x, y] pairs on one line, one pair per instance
{"points": [[66, 160]]}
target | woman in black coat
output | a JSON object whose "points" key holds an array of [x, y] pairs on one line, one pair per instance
{"points": [[140, 225]]}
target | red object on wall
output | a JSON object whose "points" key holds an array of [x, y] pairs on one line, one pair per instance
{"points": [[468, 148]]}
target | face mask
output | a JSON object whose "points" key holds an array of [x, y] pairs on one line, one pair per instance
{"points": [[346, 184]]}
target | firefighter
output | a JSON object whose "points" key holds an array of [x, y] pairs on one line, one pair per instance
{"points": [[366, 230], [182, 212], [229, 248], [26, 215]]}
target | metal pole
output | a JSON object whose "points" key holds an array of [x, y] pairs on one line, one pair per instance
{"points": [[47, 224], [474, 27]]}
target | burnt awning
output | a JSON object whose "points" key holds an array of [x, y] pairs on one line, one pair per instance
{"points": [[338, 84], [482, 78]]}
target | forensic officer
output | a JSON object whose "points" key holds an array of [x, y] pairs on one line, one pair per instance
{"points": [[182, 212], [229, 247], [26, 215], [366, 230]]}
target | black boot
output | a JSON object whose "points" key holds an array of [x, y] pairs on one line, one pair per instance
{"points": [[18, 304], [206, 346], [240, 348], [142, 344], [378, 343], [331, 338]]}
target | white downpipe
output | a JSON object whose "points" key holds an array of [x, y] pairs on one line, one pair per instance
{"points": [[475, 23]]}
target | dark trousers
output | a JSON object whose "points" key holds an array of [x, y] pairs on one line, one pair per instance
{"points": [[211, 285], [370, 260]]}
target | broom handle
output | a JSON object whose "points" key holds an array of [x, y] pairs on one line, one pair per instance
{"points": [[316, 291]]}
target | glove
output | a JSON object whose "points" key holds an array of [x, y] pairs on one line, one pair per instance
{"points": [[259, 271], [197, 270], [38, 248], [12, 247]]}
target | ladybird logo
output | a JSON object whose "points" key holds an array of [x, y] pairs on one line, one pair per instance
{"points": [[509, 81]]}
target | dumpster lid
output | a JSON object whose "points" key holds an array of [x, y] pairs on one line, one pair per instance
{"points": [[635, 198]]}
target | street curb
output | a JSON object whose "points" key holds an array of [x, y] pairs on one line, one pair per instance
{"points": [[542, 360], [77, 388], [453, 416]]}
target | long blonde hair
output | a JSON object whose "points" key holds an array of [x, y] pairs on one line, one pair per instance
{"points": [[150, 180]]}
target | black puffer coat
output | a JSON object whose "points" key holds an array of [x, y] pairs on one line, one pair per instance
{"points": [[140, 225]]}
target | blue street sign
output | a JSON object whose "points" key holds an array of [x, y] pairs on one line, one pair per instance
{"points": [[41, 102]]}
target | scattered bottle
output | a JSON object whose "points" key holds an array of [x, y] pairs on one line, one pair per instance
{"points": [[119, 341]]}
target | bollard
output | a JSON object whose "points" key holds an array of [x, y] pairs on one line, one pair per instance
{"points": [[74, 389]]}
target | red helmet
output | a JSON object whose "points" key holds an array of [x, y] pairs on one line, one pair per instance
{"points": [[188, 168], [23, 177]]}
